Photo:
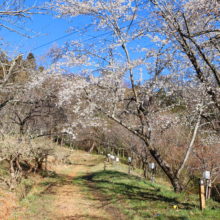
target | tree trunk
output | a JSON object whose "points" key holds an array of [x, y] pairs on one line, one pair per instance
{"points": [[190, 146], [167, 170], [92, 147], [123, 151], [12, 175], [145, 170], [62, 137], [51, 136], [134, 163], [20, 169], [39, 164], [21, 129], [46, 163], [139, 163], [31, 167]]}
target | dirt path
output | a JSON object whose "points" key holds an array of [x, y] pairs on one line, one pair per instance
{"points": [[74, 203], [70, 195]]}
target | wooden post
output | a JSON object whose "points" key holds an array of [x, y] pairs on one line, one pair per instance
{"points": [[202, 194]]}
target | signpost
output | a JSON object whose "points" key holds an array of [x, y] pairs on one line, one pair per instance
{"points": [[152, 168], [202, 194]]}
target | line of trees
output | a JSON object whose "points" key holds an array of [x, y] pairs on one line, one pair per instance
{"points": [[183, 62], [150, 85], [28, 113]]}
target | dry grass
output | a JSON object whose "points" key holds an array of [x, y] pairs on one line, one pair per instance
{"points": [[7, 204]]}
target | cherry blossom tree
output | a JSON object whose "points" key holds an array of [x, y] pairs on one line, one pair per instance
{"points": [[191, 28], [171, 65], [14, 14], [16, 150]]}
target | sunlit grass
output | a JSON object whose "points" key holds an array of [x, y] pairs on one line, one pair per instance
{"points": [[141, 199]]}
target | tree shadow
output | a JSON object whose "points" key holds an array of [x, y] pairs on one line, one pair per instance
{"points": [[78, 217], [106, 187], [81, 164], [56, 181]]}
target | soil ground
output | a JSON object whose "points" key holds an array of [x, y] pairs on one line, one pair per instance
{"points": [[69, 200], [73, 203]]}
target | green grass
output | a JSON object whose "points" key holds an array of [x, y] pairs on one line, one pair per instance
{"points": [[131, 195], [37, 204], [139, 199]]}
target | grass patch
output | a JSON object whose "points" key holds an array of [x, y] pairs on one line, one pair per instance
{"points": [[37, 204], [140, 199]]}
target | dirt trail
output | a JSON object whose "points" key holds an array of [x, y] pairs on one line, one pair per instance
{"points": [[73, 203], [70, 195]]}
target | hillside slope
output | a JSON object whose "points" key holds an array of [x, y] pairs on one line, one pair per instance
{"points": [[85, 191]]}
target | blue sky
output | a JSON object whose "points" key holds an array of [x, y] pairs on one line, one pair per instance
{"points": [[51, 30]]}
